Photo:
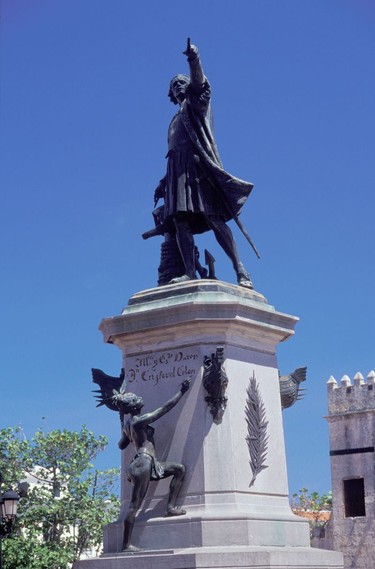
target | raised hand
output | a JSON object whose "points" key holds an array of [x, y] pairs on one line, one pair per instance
{"points": [[191, 51]]}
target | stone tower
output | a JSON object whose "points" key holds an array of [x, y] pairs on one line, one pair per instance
{"points": [[352, 442]]}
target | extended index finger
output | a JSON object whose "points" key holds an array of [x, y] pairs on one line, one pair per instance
{"points": [[188, 47]]}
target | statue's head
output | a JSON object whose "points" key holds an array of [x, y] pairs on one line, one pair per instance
{"points": [[177, 88], [128, 402]]}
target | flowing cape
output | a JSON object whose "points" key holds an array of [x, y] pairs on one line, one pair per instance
{"points": [[197, 118]]}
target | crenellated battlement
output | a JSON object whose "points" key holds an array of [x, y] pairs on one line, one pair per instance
{"points": [[351, 397]]}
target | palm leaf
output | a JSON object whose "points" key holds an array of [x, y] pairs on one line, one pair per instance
{"points": [[257, 437]]}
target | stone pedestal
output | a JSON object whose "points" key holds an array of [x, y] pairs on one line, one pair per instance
{"points": [[236, 498]]}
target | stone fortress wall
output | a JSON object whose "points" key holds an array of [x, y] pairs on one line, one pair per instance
{"points": [[351, 418]]}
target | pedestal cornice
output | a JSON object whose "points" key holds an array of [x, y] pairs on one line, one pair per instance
{"points": [[219, 307]]}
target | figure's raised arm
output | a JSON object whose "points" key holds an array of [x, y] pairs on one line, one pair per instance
{"points": [[196, 71], [147, 418]]}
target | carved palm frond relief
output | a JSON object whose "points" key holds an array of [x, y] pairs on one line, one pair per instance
{"points": [[257, 437]]}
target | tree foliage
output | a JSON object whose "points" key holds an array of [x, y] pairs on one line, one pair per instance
{"points": [[66, 505], [312, 503]]}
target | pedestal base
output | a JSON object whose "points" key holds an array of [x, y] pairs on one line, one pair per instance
{"points": [[235, 493], [232, 528], [228, 557]]}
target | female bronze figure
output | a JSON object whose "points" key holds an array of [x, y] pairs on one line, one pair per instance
{"points": [[145, 466]]}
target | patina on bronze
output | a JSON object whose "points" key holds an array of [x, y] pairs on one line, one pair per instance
{"points": [[199, 195]]}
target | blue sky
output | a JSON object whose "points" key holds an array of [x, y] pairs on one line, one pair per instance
{"points": [[84, 115]]}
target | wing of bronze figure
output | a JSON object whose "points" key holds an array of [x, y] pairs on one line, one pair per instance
{"points": [[290, 390], [107, 384]]}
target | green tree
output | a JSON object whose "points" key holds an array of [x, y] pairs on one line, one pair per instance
{"points": [[312, 503], [66, 508]]}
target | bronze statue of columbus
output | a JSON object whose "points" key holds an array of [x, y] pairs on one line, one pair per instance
{"points": [[199, 195]]}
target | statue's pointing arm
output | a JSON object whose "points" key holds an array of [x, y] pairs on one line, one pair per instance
{"points": [[197, 78]]}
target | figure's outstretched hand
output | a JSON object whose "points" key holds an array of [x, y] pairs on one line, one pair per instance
{"points": [[185, 385], [191, 51]]}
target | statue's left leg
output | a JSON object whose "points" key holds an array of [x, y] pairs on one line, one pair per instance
{"points": [[185, 241], [140, 473], [224, 237], [177, 471]]}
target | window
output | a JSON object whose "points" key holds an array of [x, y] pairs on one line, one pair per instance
{"points": [[354, 498]]}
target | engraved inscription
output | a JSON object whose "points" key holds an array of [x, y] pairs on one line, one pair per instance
{"points": [[160, 366]]}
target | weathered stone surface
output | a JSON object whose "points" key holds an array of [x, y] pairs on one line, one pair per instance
{"points": [[352, 440], [224, 557]]}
